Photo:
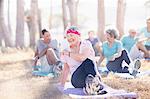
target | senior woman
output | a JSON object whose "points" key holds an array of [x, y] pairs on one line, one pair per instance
{"points": [[78, 60], [112, 50]]}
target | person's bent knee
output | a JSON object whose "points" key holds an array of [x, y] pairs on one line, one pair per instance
{"points": [[50, 51], [76, 83], [124, 52]]}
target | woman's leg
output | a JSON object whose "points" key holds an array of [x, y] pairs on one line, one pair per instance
{"points": [[79, 76], [51, 56], [116, 65], [125, 57], [147, 47]]}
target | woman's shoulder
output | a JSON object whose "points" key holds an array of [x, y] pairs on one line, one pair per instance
{"points": [[40, 41], [54, 41], [118, 42], [85, 42], [104, 43]]}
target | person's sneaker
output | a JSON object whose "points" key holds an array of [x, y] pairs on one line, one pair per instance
{"points": [[93, 85], [57, 68], [137, 64], [59, 65], [136, 67]]}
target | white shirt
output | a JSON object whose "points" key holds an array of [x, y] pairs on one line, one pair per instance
{"points": [[74, 64]]}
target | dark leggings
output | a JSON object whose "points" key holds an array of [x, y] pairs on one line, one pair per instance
{"points": [[116, 65], [147, 47], [79, 76]]}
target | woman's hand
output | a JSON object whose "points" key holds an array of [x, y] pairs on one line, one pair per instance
{"points": [[65, 52], [112, 58]]}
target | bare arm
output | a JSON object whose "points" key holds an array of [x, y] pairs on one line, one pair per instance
{"points": [[101, 57], [38, 55], [100, 60], [143, 39], [78, 56], [64, 75], [81, 57]]}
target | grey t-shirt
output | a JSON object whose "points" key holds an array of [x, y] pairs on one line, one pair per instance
{"points": [[53, 43]]}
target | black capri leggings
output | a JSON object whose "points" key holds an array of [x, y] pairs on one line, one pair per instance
{"points": [[116, 65], [79, 76]]}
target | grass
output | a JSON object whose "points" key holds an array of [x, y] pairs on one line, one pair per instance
{"points": [[15, 75]]}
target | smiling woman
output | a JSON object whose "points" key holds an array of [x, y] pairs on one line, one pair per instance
{"points": [[79, 60]]}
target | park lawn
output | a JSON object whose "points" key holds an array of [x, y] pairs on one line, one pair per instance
{"points": [[15, 78]]}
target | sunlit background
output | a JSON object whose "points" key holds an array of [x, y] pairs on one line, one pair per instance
{"points": [[136, 14]]}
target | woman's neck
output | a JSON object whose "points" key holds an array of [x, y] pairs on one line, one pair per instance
{"points": [[111, 43], [75, 47], [46, 41]]}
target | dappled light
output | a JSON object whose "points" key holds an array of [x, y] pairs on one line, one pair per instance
{"points": [[44, 42]]}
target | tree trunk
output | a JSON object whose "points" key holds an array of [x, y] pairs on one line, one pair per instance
{"points": [[64, 12], [9, 26], [20, 24], [33, 24], [3, 28], [39, 22], [51, 15], [101, 19], [120, 17], [72, 5]]}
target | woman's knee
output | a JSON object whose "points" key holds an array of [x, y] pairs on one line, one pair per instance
{"points": [[88, 61], [50, 51], [124, 53], [77, 83]]}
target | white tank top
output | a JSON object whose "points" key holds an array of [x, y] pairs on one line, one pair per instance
{"points": [[74, 64]]}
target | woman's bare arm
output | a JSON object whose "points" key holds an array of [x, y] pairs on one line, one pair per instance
{"points": [[64, 75]]}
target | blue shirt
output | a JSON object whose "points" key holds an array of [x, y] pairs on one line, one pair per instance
{"points": [[128, 42], [93, 41], [146, 34], [108, 51]]}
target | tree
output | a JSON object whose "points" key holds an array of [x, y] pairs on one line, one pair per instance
{"points": [[64, 13], [32, 22], [147, 5], [20, 24], [120, 17], [101, 19], [8, 17], [72, 5], [4, 31]]}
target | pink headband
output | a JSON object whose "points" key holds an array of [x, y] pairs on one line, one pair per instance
{"points": [[73, 31]]}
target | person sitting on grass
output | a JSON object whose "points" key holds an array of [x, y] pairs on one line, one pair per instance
{"points": [[79, 61], [134, 46], [145, 33], [112, 50], [94, 41], [48, 53]]}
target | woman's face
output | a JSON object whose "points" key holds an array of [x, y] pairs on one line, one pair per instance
{"points": [[47, 36], [73, 39], [109, 37], [132, 33]]}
